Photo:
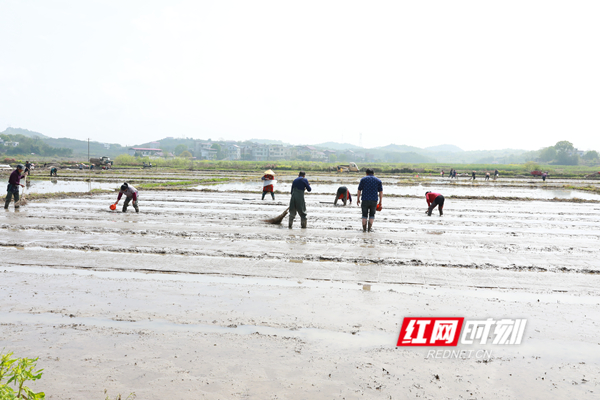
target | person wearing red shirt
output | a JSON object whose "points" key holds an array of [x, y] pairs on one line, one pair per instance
{"points": [[433, 200], [343, 194]]}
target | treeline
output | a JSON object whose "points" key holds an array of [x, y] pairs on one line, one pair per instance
{"points": [[29, 145], [564, 153]]}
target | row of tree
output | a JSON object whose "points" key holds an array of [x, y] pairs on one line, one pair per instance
{"points": [[29, 145], [564, 153]]}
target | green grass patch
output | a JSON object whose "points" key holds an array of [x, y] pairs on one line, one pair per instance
{"points": [[191, 182], [587, 188]]}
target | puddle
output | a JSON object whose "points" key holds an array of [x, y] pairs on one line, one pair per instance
{"points": [[342, 339], [55, 186], [419, 190]]}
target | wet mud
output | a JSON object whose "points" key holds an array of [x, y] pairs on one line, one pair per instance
{"points": [[195, 297]]}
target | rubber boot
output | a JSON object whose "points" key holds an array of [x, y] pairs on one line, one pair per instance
{"points": [[303, 223], [441, 212], [370, 225], [291, 222], [364, 226]]}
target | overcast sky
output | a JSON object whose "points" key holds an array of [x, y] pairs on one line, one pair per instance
{"points": [[477, 74]]}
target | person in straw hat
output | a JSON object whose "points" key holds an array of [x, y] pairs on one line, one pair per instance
{"points": [[268, 182]]}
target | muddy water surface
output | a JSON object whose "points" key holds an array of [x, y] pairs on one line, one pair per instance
{"points": [[196, 296], [57, 185], [419, 190]]}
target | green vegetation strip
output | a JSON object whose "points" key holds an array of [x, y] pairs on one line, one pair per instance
{"points": [[164, 185], [588, 188], [63, 195]]}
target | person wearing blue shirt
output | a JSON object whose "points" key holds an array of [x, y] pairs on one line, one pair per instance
{"points": [[371, 189], [297, 204]]}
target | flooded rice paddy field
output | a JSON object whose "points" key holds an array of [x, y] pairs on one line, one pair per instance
{"points": [[195, 297], [57, 186], [531, 187]]}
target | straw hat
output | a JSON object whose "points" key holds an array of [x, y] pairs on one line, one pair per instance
{"points": [[269, 172]]}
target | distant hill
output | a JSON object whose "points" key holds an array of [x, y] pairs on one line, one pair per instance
{"points": [[402, 148], [24, 132], [338, 146], [80, 147], [35, 142], [444, 148], [407, 157]]}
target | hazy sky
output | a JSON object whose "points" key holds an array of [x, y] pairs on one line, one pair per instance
{"points": [[477, 74]]}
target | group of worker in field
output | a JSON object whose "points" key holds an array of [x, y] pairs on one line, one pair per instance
{"points": [[370, 193], [21, 172]]}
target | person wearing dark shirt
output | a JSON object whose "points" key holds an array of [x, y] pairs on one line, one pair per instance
{"points": [[371, 190], [12, 190], [473, 175], [297, 204], [433, 200], [342, 194], [27, 167]]}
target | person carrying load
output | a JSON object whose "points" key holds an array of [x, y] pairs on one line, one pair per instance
{"points": [[268, 182]]}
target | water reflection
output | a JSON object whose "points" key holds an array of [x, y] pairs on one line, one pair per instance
{"points": [[420, 189], [55, 185]]}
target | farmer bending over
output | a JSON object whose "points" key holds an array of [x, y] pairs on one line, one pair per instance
{"points": [[433, 200], [131, 193], [343, 194]]}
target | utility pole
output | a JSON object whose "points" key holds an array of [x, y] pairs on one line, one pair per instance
{"points": [[90, 169]]}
